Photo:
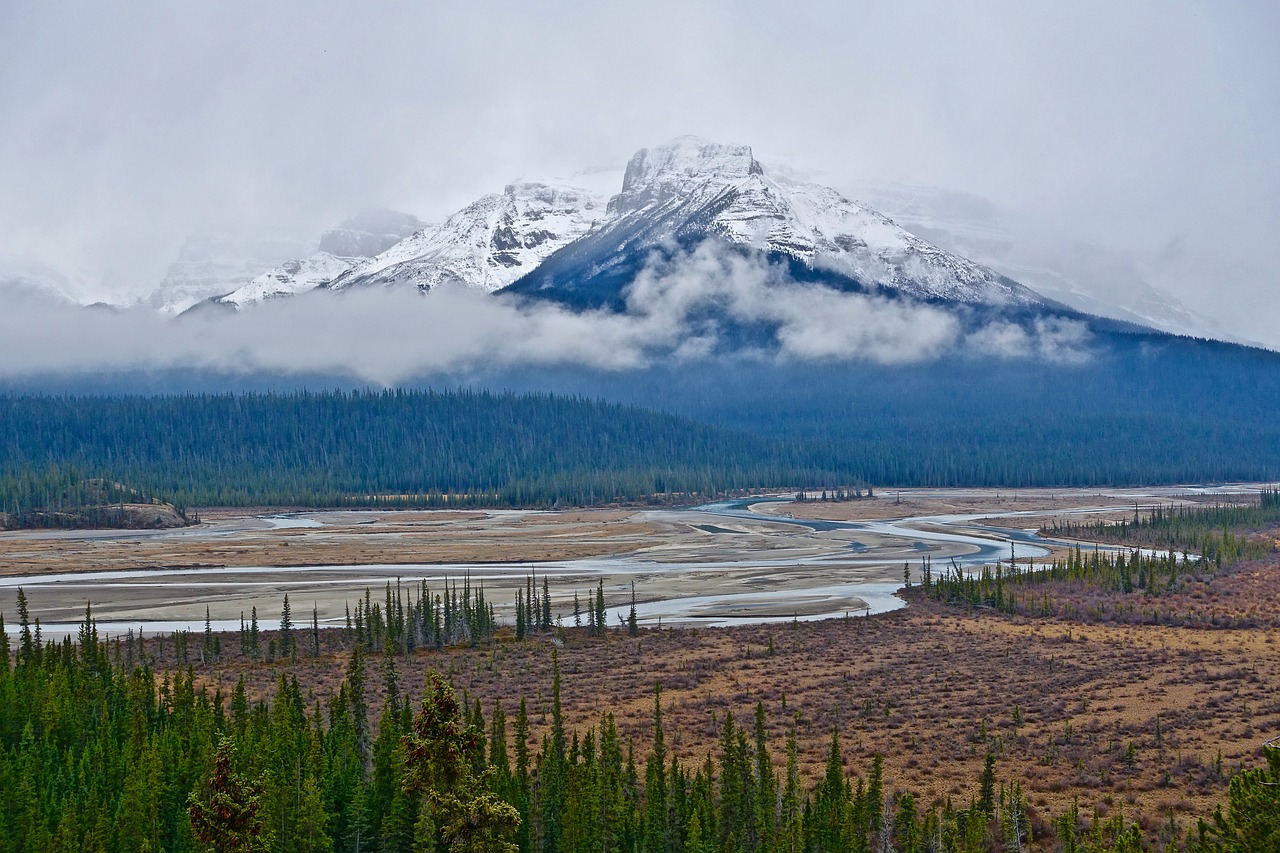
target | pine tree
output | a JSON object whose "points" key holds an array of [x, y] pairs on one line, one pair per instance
{"points": [[254, 649], [287, 647], [438, 765], [791, 823], [546, 605], [987, 787], [657, 831], [633, 626], [227, 817], [766, 785], [601, 621], [1251, 821], [207, 652]]}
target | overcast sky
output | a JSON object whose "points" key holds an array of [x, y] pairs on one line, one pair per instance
{"points": [[1144, 126]]}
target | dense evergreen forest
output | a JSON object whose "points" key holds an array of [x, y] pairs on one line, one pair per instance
{"points": [[100, 753], [1140, 409], [394, 448], [1112, 422], [63, 497]]}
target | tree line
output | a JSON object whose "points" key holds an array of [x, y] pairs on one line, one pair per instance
{"points": [[479, 448], [393, 448], [1218, 533]]}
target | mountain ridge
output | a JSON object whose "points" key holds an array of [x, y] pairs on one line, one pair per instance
{"points": [[550, 238]]}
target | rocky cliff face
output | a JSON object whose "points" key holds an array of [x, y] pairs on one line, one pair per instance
{"points": [[549, 235], [690, 189]]}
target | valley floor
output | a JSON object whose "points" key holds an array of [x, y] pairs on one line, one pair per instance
{"points": [[1147, 720]]}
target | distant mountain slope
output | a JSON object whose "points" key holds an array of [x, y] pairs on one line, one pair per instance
{"points": [[369, 233], [1086, 277], [361, 237], [209, 266], [288, 279]]}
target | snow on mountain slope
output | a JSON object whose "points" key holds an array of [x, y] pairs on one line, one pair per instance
{"points": [[210, 266], [1089, 278], [690, 188], [360, 237], [288, 279], [486, 245], [34, 286]]}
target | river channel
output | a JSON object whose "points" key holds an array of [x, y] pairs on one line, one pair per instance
{"points": [[755, 561]]}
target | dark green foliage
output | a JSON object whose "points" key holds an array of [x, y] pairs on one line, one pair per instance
{"points": [[1251, 822], [1215, 532], [58, 495], [439, 754], [401, 448], [97, 755], [229, 820]]}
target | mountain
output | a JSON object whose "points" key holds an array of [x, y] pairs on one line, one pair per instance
{"points": [[690, 190], [288, 279], [369, 233], [34, 287], [551, 239], [209, 266], [488, 244], [1086, 277], [359, 238]]}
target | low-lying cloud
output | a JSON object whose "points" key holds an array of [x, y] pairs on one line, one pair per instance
{"points": [[683, 309]]}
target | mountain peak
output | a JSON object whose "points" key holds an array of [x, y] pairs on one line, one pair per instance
{"points": [[658, 174]]}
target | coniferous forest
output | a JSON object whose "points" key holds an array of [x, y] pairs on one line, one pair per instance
{"points": [[395, 448], [479, 448]]}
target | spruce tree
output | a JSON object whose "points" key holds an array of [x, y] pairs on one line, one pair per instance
{"points": [[657, 835], [438, 765], [286, 630], [633, 625], [227, 817]]}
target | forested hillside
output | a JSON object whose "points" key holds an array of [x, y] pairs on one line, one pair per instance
{"points": [[1142, 410], [1138, 409]]}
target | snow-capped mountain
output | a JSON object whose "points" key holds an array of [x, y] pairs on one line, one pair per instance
{"points": [[288, 279], [488, 244], [1088, 278], [689, 190], [34, 286]]}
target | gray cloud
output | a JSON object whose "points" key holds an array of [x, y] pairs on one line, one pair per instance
{"points": [[1052, 339], [682, 309], [1136, 125]]}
